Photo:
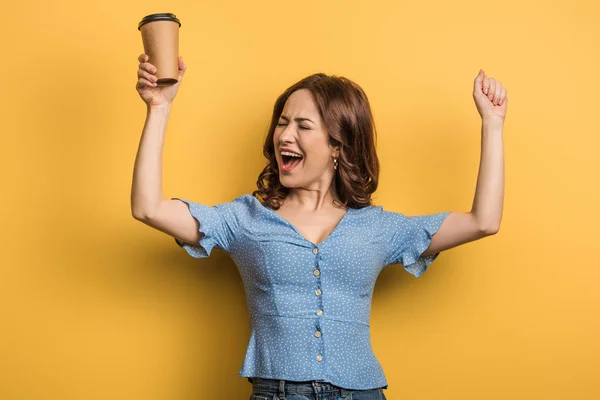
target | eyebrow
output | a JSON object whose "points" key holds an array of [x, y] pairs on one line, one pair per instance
{"points": [[297, 119]]}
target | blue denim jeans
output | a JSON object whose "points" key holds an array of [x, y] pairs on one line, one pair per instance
{"points": [[275, 389]]}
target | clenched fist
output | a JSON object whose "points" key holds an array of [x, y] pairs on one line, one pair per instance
{"points": [[490, 98]]}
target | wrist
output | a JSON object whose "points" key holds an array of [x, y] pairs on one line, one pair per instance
{"points": [[159, 107], [492, 122]]}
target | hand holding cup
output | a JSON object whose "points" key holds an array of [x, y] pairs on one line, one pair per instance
{"points": [[152, 94], [161, 68]]}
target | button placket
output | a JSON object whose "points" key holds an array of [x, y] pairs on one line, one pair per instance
{"points": [[318, 333], [317, 274]]}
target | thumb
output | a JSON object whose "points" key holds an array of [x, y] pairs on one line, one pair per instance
{"points": [[182, 66], [479, 82]]}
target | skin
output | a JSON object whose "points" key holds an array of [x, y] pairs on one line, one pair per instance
{"points": [[309, 204], [483, 220], [311, 183]]}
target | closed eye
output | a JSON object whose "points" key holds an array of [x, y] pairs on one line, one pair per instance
{"points": [[301, 127]]}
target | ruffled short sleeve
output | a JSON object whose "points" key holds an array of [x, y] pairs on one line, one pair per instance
{"points": [[218, 226], [408, 237]]}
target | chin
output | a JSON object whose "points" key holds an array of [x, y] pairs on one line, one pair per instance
{"points": [[287, 181]]}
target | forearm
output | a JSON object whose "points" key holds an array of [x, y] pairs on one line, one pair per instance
{"points": [[489, 193], [146, 188]]}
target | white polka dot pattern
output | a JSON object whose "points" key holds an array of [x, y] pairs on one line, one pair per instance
{"points": [[308, 325]]}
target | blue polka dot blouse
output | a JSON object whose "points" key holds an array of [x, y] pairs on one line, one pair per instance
{"points": [[309, 304]]}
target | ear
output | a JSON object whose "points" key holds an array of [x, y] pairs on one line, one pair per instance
{"points": [[336, 152]]}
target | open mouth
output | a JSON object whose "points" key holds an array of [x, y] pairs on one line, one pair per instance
{"points": [[290, 160]]}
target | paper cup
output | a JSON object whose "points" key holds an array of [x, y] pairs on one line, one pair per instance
{"points": [[160, 36]]}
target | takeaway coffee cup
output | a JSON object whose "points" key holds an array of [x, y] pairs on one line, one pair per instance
{"points": [[160, 35]]}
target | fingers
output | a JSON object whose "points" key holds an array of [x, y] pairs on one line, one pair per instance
{"points": [[479, 81], [486, 85], [147, 77], [146, 72], [496, 92], [143, 82], [145, 65], [496, 98], [502, 96], [493, 90]]}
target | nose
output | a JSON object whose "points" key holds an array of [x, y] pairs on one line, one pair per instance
{"points": [[287, 134]]}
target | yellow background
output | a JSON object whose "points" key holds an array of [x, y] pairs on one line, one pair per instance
{"points": [[96, 305]]}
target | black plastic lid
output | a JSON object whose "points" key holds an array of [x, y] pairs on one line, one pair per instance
{"points": [[159, 17]]}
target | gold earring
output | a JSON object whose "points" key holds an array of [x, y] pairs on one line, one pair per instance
{"points": [[335, 162]]}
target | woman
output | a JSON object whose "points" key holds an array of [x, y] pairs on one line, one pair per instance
{"points": [[310, 250]]}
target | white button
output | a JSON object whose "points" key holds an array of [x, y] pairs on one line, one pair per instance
{"points": [[319, 312], [319, 357], [315, 251], [318, 333], [318, 292], [317, 272]]}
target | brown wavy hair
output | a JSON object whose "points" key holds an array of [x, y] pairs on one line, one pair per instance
{"points": [[346, 114]]}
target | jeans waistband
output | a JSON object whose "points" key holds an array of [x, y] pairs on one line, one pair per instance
{"points": [[293, 387]]}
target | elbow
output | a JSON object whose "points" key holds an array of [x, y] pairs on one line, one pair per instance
{"points": [[138, 215], [490, 229], [486, 226]]}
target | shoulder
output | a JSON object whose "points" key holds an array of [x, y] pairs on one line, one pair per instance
{"points": [[380, 217], [371, 211], [240, 202], [245, 205], [245, 200], [373, 214]]}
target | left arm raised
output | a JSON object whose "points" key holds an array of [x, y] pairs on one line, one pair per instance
{"points": [[486, 213]]}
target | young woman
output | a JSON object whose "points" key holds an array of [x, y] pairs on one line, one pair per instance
{"points": [[308, 242]]}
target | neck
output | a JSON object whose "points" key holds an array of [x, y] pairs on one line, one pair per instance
{"points": [[313, 200]]}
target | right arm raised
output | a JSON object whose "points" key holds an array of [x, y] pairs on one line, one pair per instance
{"points": [[147, 203], [172, 217]]}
